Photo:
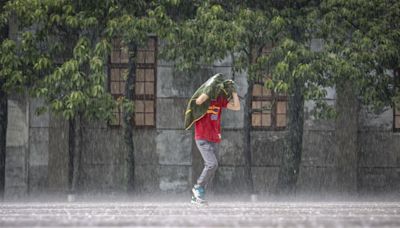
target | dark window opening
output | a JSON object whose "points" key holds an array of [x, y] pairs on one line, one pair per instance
{"points": [[145, 83], [269, 108]]}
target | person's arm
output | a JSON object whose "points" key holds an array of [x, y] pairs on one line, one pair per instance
{"points": [[200, 100], [234, 104]]}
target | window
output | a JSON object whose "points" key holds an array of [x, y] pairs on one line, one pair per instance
{"points": [[396, 110], [269, 109], [145, 84], [117, 76]]}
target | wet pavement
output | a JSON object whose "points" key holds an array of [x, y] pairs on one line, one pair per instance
{"points": [[217, 214]]}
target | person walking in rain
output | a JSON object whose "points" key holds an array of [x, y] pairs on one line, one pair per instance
{"points": [[208, 136]]}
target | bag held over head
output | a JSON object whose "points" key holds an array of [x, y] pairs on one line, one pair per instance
{"points": [[213, 87]]}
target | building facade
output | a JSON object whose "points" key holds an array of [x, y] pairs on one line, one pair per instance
{"points": [[166, 156]]}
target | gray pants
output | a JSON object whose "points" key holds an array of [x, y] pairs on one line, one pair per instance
{"points": [[209, 152]]}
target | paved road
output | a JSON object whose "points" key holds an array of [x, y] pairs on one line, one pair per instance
{"points": [[217, 214]]}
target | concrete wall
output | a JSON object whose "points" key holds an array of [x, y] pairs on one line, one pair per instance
{"points": [[379, 154], [103, 159], [147, 168], [29, 138], [58, 156], [17, 148], [39, 138]]}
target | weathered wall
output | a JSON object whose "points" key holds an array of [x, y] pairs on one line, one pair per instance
{"points": [[39, 138], [103, 159], [266, 151], [17, 148], [35, 151], [379, 154], [318, 167], [58, 156], [147, 169]]}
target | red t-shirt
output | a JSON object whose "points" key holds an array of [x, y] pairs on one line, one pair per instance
{"points": [[209, 126]]}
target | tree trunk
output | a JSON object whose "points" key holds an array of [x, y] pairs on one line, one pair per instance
{"points": [[247, 137], [347, 106], [75, 153], [3, 119], [128, 134], [3, 136], [291, 157], [71, 152]]}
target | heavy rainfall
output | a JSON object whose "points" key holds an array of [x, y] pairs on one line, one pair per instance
{"points": [[203, 113]]}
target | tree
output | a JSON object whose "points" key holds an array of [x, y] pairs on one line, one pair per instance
{"points": [[256, 29], [69, 43], [63, 51], [16, 75], [133, 25], [300, 71], [3, 114], [361, 43], [362, 39]]}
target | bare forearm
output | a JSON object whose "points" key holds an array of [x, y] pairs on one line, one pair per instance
{"points": [[200, 100], [235, 103]]}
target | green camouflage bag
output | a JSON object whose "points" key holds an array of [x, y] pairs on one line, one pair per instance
{"points": [[213, 87]]}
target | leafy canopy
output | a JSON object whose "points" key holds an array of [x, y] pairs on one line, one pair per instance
{"points": [[63, 50]]}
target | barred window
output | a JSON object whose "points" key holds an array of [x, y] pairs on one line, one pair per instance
{"points": [[269, 109], [145, 83]]}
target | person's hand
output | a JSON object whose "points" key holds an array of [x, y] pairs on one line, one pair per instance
{"points": [[231, 85], [235, 103]]}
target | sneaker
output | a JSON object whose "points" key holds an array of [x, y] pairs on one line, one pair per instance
{"points": [[198, 192], [199, 202]]}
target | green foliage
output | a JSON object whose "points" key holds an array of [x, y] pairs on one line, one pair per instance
{"points": [[10, 73], [245, 30], [64, 48], [57, 58], [364, 39], [256, 30], [64, 44], [195, 41]]}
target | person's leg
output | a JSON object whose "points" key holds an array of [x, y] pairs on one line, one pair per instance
{"points": [[208, 152], [216, 152]]}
